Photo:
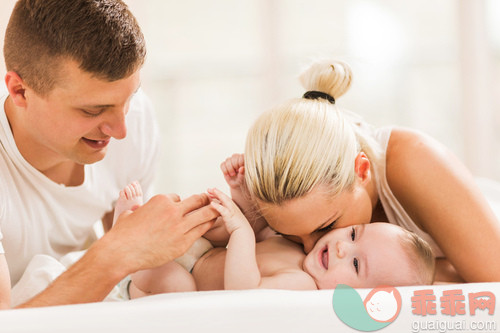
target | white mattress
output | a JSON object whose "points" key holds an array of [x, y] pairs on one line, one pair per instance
{"points": [[240, 311]]}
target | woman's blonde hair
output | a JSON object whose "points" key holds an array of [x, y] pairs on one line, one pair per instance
{"points": [[303, 143]]}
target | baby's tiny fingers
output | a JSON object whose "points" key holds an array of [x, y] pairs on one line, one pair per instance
{"points": [[223, 211], [229, 169]]}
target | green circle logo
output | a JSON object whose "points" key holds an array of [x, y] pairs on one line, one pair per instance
{"points": [[380, 307]]}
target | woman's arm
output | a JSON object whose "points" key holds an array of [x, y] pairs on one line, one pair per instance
{"points": [[440, 195]]}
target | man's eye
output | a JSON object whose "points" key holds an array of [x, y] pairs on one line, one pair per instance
{"points": [[353, 234], [356, 265], [90, 113]]}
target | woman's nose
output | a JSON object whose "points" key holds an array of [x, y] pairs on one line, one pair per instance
{"points": [[309, 242], [308, 245]]}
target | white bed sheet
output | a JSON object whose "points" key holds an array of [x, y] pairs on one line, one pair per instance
{"points": [[239, 311]]}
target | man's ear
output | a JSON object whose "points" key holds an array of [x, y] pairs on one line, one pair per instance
{"points": [[16, 87], [362, 167]]}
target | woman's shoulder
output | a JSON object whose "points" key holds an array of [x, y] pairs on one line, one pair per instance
{"points": [[413, 158], [407, 147]]}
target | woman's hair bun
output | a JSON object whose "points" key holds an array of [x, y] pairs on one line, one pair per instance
{"points": [[332, 77]]}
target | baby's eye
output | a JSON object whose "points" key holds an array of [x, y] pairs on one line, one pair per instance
{"points": [[356, 265], [353, 234]]}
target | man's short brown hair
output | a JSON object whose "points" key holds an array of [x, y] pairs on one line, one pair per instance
{"points": [[102, 36]]}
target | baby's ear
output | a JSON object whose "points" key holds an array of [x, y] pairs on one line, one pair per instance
{"points": [[362, 167]]}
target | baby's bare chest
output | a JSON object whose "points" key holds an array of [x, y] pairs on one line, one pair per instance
{"points": [[278, 255]]}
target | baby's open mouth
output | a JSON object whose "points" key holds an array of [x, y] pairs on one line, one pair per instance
{"points": [[324, 257]]}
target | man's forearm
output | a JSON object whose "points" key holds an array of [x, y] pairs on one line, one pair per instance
{"points": [[89, 280]]}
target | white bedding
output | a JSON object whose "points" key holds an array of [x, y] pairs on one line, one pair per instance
{"points": [[239, 311]]}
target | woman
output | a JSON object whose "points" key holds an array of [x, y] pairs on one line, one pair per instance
{"points": [[307, 153]]}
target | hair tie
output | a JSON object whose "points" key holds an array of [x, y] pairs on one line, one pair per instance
{"points": [[313, 94]]}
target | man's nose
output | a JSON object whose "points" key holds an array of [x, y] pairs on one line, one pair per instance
{"points": [[114, 126]]}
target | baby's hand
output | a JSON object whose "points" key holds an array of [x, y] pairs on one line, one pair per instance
{"points": [[233, 169], [231, 215]]}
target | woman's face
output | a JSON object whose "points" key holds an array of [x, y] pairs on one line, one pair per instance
{"points": [[304, 220]]}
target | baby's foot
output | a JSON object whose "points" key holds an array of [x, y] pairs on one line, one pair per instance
{"points": [[130, 199]]}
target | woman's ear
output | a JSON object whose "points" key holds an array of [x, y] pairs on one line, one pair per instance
{"points": [[362, 167], [16, 87]]}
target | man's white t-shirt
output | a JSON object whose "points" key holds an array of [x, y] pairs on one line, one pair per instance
{"points": [[39, 216]]}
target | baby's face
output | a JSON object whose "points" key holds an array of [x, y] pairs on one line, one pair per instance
{"points": [[361, 256]]}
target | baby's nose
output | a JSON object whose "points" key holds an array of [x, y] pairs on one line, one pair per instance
{"points": [[340, 249]]}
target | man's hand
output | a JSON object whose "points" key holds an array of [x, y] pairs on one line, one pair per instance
{"points": [[161, 230]]}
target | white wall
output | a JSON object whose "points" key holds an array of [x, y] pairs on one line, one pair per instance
{"points": [[213, 66]]}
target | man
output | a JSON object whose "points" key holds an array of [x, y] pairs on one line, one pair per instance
{"points": [[73, 86]]}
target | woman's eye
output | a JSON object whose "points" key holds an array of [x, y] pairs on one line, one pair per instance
{"points": [[356, 265], [353, 234], [327, 228]]}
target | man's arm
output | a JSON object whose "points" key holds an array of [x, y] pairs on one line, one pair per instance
{"points": [[159, 231], [89, 280]]}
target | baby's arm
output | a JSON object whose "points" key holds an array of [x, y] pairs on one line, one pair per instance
{"points": [[233, 169], [240, 270]]}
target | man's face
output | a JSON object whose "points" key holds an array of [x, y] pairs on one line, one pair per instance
{"points": [[76, 119]]}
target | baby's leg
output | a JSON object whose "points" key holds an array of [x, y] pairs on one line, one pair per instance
{"points": [[130, 199], [169, 278]]}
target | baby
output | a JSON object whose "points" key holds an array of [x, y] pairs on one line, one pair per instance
{"points": [[361, 256]]}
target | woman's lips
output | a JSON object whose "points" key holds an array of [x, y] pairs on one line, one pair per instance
{"points": [[323, 257], [96, 144]]}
